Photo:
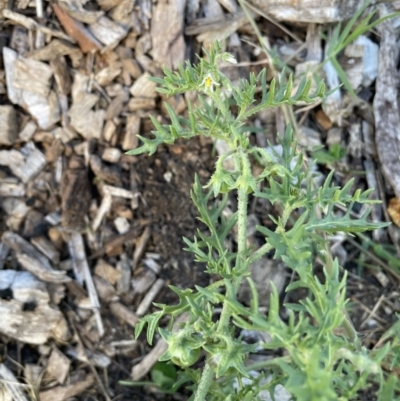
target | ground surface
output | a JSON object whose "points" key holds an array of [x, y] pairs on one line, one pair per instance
{"points": [[113, 224]]}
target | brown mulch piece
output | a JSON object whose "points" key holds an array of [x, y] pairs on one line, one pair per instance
{"points": [[90, 237]]}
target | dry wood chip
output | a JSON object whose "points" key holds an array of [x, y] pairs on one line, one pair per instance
{"points": [[118, 192], [61, 74], [55, 48], [167, 33], [35, 267], [143, 281], [149, 297], [118, 241], [394, 211], [122, 225], [132, 67], [82, 274], [58, 365], [32, 259], [47, 248], [104, 208], [87, 355], [107, 5], [124, 269], [8, 125], [10, 187], [122, 13], [106, 271], [109, 130], [75, 197], [45, 109], [36, 96], [25, 164], [125, 314], [216, 23], [105, 290], [31, 24], [28, 317], [75, 10], [115, 108], [143, 87], [386, 106], [105, 76], [110, 174], [9, 57], [12, 386], [108, 32], [111, 155], [25, 69], [27, 132], [137, 103], [16, 210], [131, 139], [61, 393], [323, 12], [86, 41]]}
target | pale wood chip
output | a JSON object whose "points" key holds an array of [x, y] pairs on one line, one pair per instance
{"points": [[61, 74], [132, 67], [131, 139], [108, 32], [143, 87], [122, 225], [71, 390], [75, 10], [25, 69], [28, 317], [149, 297], [111, 155], [321, 12], [116, 191], [9, 57], [33, 162], [106, 271], [8, 125], [47, 248], [55, 48], [386, 106], [125, 272], [105, 290], [82, 273], [58, 365], [104, 208], [14, 389], [115, 108], [17, 210], [105, 76], [123, 313], [9, 187], [137, 103], [27, 132], [44, 109], [109, 130], [86, 41], [122, 13], [167, 33]]}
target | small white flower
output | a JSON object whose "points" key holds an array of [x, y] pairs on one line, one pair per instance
{"points": [[208, 83]]}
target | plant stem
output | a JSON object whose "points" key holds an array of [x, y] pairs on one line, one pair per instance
{"points": [[207, 374]]}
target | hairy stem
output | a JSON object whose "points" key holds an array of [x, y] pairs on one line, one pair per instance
{"points": [[207, 375]]}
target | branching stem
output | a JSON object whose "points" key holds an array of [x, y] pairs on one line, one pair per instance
{"points": [[206, 377]]}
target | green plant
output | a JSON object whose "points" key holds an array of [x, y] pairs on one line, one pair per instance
{"points": [[324, 359]]}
